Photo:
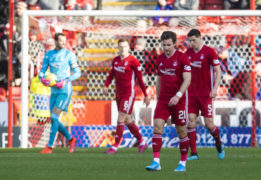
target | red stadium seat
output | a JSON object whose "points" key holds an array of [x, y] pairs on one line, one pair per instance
{"points": [[211, 5], [2, 94]]}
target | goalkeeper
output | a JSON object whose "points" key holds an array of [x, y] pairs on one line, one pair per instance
{"points": [[60, 61]]}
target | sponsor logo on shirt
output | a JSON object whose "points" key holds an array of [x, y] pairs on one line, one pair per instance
{"points": [[187, 68], [170, 72], [56, 64], [120, 69], [197, 64], [216, 61], [175, 63]]}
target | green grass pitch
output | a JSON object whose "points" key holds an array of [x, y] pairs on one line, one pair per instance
{"points": [[93, 164]]}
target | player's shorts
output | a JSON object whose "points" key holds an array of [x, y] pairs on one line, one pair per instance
{"points": [[204, 104], [125, 104], [178, 113], [60, 101]]}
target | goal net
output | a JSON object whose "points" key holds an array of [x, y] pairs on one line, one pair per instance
{"points": [[93, 35]]}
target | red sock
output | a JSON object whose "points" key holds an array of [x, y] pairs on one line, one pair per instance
{"points": [[135, 131], [183, 147], [119, 132], [156, 145], [192, 139], [216, 136]]}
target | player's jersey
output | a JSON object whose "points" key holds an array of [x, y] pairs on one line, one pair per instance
{"points": [[171, 72], [125, 72], [60, 63], [202, 63]]}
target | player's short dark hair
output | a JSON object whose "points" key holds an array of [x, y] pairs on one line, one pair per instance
{"points": [[56, 36], [168, 35], [194, 32], [123, 40]]}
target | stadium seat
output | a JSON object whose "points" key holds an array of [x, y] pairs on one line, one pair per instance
{"points": [[211, 5], [16, 91], [2, 94]]}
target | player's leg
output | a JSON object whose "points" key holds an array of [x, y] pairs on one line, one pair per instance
{"points": [[135, 130], [63, 103], [161, 116], [214, 131], [59, 103], [207, 111], [120, 126], [54, 125], [191, 130], [179, 117], [183, 147], [156, 144], [119, 133], [191, 127]]}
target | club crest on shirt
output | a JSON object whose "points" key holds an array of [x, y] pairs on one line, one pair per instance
{"points": [[139, 68], [116, 62], [202, 56], [189, 57], [126, 63], [175, 63]]}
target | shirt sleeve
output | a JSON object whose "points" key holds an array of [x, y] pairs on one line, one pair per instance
{"points": [[186, 63], [138, 72], [44, 67], [75, 67], [213, 58], [157, 62], [111, 76]]}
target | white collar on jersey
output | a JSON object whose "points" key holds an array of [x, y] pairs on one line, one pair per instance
{"points": [[171, 54]]}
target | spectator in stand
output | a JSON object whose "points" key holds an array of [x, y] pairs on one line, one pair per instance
{"points": [[33, 4], [4, 11], [4, 56], [185, 5], [17, 71], [236, 4], [21, 6], [79, 5], [36, 51], [159, 21], [50, 44], [258, 4], [50, 5]]}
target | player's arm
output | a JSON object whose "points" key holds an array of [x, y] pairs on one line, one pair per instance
{"points": [[184, 86], [108, 80], [44, 68], [138, 72], [217, 74], [157, 86], [76, 72]]}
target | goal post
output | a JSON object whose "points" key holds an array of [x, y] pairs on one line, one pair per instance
{"points": [[115, 24]]}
